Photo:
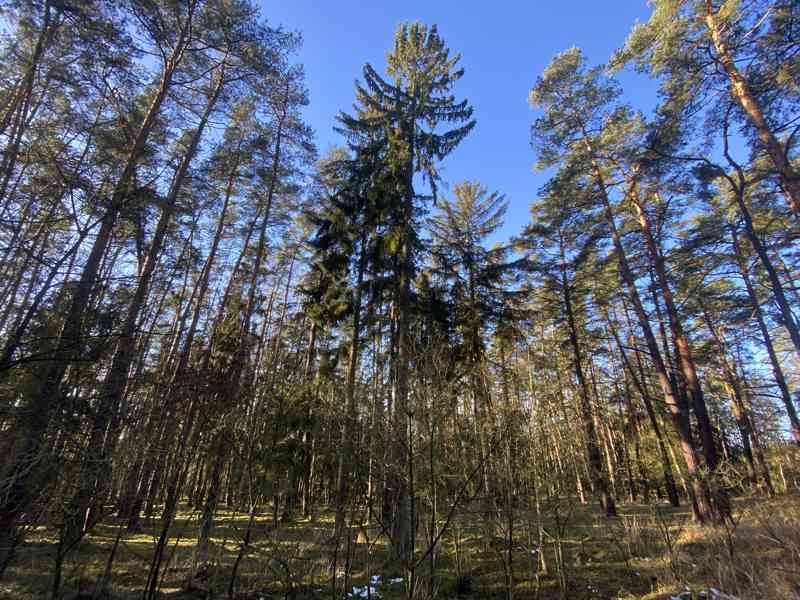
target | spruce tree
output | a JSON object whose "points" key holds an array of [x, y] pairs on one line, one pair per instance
{"points": [[407, 109]]}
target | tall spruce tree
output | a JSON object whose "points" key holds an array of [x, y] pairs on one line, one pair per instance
{"points": [[408, 108]]}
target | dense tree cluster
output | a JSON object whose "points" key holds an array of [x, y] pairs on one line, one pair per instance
{"points": [[197, 310]]}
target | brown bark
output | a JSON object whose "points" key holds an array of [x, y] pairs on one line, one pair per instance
{"points": [[742, 92], [685, 359], [678, 410]]}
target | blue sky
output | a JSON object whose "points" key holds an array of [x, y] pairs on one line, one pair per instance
{"points": [[504, 47]]}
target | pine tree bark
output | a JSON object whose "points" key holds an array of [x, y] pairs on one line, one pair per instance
{"points": [[740, 90], [679, 412], [685, 359]]}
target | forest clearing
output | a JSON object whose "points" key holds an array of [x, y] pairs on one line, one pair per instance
{"points": [[266, 334]]}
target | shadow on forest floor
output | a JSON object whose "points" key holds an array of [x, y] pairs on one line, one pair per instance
{"points": [[647, 552]]}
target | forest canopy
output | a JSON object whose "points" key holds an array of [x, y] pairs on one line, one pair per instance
{"points": [[234, 366]]}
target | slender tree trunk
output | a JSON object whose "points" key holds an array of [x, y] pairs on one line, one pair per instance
{"points": [[347, 453], [174, 487], [685, 358], [777, 370], [758, 445], [202, 552], [742, 92], [401, 526], [678, 410], [740, 411], [594, 458], [640, 382]]}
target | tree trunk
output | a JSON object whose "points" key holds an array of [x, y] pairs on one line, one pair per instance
{"points": [[685, 358], [594, 458], [679, 412], [347, 453], [777, 370], [732, 388], [740, 89], [641, 386], [202, 553]]}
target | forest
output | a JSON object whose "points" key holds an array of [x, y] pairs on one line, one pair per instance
{"points": [[233, 366]]}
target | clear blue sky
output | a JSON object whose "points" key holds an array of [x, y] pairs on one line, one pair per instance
{"points": [[504, 45]]}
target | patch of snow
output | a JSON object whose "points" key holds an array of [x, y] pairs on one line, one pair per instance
{"points": [[718, 595], [365, 592], [395, 580], [709, 594]]}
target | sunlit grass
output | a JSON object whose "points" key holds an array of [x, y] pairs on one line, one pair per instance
{"points": [[604, 559]]}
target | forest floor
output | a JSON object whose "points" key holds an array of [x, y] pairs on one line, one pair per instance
{"points": [[652, 552]]}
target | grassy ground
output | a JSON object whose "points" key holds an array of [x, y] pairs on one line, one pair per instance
{"points": [[647, 552]]}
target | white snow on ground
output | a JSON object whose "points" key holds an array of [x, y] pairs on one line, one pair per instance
{"points": [[371, 590], [365, 592], [709, 594]]}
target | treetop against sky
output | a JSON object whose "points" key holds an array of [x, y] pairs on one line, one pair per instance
{"points": [[504, 46]]}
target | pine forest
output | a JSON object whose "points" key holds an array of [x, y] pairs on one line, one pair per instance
{"points": [[236, 364]]}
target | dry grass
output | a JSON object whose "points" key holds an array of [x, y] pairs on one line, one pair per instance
{"points": [[646, 553], [756, 556]]}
